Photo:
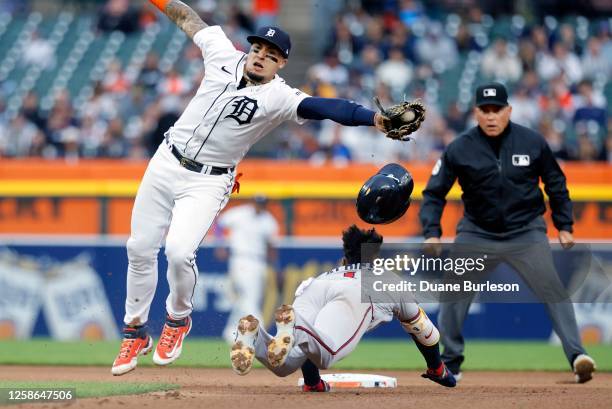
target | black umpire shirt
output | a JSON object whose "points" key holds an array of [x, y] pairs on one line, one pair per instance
{"points": [[500, 181]]}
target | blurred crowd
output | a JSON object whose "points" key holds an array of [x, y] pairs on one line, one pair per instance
{"points": [[557, 73]]}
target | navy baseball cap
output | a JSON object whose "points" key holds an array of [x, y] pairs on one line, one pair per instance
{"points": [[260, 199], [492, 93], [274, 36]]}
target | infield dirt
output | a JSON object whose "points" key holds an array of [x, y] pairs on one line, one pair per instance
{"points": [[220, 388]]}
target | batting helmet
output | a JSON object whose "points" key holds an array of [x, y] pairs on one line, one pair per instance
{"points": [[385, 197]]}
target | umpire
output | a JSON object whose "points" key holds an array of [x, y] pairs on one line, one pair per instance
{"points": [[499, 165]]}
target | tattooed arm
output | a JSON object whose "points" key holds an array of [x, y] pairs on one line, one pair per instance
{"points": [[182, 15]]}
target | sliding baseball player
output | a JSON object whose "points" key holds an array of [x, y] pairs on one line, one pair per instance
{"points": [[328, 319]]}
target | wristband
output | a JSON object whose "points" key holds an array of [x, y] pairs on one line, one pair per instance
{"points": [[160, 4]]}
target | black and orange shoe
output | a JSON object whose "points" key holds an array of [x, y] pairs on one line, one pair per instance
{"points": [[322, 386], [171, 340], [135, 342]]}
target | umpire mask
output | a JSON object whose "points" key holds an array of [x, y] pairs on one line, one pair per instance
{"points": [[385, 197]]}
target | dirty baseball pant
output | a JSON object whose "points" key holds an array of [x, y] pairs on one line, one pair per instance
{"points": [[184, 204], [331, 320], [528, 252], [294, 361]]}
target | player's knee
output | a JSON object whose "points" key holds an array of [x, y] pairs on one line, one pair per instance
{"points": [[325, 363], [178, 255], [423, 330], [140, 251]]}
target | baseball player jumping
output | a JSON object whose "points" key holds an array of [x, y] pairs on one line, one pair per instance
{"points": [[191, 176], [327, 321]]}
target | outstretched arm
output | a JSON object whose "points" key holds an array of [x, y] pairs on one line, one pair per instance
{"points": [[182, 15], [339, 110]]}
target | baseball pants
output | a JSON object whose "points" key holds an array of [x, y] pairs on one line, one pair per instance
{"points": [[329, 323], [330, 318], [184, 204], [529, 254]]}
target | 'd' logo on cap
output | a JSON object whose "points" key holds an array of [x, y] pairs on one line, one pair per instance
{"points": [[270, 33], [489, 92]]}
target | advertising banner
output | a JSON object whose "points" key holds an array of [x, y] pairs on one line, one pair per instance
{"points": [[76, 290]]}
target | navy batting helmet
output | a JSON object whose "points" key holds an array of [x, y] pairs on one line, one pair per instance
{"points": [[385, 197]]}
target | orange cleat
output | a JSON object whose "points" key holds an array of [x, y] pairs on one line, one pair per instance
{"points": [[135, 342], [171, 339]]}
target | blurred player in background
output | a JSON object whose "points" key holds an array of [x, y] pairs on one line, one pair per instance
{"points": [[251, 231], [328, 319]]}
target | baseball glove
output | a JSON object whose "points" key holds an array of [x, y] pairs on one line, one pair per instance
{"points": [[400, 120]]}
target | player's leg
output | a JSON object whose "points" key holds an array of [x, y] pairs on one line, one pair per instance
{"points": [[199, 199], [150, 219], [451, 316], [247, 277], [252, 342], [453, 309], [426, 336], [534, 263], [312, 378], [295, 358], [328, 339]]}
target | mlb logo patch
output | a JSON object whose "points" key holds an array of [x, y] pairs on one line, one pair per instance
{"points": [[489, 92], [520, 160]]}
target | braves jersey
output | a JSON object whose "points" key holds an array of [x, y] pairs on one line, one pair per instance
{"points": [[394, 305], [222, 122]]}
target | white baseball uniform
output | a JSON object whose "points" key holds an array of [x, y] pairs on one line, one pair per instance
{"points": [[250, 235], [331, 319], [217, 129]]}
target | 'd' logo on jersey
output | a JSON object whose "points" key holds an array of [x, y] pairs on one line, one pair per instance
{"points": [[244, 110]]}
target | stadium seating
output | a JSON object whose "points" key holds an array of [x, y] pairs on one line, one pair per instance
{"points": [[82, 56]]}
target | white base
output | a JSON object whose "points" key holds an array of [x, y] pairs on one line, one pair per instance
{"points": [[356, 380]]}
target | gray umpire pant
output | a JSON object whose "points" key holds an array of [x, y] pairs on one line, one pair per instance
{"points": [[528, 252]]}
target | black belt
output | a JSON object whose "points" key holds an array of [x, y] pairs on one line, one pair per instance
{"points": [[194, 166]]}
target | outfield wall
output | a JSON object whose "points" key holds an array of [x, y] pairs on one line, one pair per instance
{"points": [[96, 197], [75, 288]]}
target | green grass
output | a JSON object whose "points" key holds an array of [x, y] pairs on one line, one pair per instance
{"points": [[197, 353], [89, 389], [393, 355], [480, 355]]}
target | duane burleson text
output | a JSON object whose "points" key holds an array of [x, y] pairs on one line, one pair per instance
{"points": [[423, 285]]}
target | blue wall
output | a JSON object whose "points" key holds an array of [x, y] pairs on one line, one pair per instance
{"points": [[507, 321]]}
